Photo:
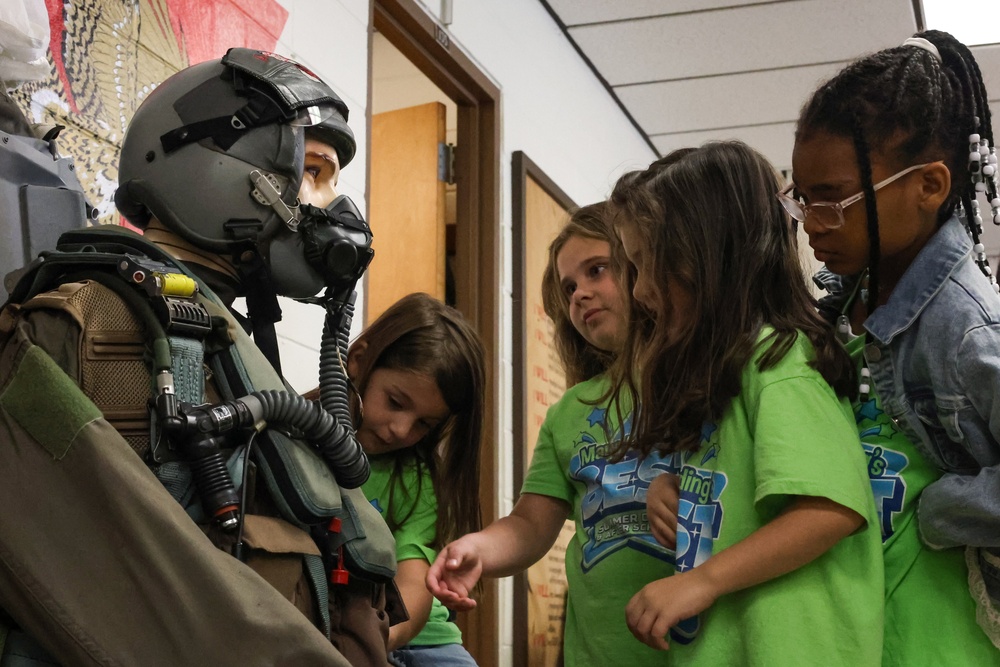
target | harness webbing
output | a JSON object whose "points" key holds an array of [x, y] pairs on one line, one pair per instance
{"points": [[317, 578]]}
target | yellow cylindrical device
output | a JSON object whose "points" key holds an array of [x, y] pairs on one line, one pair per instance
{"points": [[176, 284]]}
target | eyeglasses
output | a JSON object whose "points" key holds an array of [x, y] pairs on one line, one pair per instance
{"points": [[827, 214]]}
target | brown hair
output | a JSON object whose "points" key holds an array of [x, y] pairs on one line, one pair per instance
{"points": [[710, 224], [420, 334]]}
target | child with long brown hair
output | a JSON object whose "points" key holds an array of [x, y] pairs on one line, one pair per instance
{"points": [[420, 374], [572, 474], [777, 550]]}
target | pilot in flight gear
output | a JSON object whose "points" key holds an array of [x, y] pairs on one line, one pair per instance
{"points": [[165, 499]]}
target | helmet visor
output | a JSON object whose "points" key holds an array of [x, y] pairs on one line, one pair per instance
{"points": [[311, 115]]}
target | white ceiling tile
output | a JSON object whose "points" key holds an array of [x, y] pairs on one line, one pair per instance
{"points": [[988, 58], [774, 35], [693, 70], [723, 101], [774, 141], [575, 12]]}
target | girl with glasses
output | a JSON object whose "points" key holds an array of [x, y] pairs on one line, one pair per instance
{"points": [[778, 558], [890, 156]]}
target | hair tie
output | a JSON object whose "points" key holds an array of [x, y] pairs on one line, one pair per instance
{"points": [[924, 44]]}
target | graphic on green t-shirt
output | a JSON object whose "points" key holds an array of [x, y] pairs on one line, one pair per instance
{"points": [[929, 614], [699, 517], [885, 465], [699, 512], [613, 508], [612, 554]]}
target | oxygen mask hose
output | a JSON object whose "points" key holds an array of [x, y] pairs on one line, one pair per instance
{"points": [[335, 442], [201, 432], [345, 455]]}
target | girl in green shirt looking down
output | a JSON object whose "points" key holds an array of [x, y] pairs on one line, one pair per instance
{"points": [[419, 372]]}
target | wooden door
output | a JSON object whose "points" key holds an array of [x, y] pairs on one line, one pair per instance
{"points": [[407, 206]]}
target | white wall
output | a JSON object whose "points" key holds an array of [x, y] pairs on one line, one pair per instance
{"points": [[331, 38], [553, 107]]}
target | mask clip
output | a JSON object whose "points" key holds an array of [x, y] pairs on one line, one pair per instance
{"points": [[268, 192]]}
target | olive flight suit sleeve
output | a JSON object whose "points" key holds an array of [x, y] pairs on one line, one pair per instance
{"points": [[98, 563]]}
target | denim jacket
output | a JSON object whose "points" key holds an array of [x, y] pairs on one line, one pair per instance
{"points": [[935, 362]]}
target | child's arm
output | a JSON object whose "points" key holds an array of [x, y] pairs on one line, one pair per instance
{"points": [[505, 547], [964, 510], [410, 580], [662, 498], [803, 532]]}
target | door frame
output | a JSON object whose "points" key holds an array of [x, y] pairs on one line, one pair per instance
{"points": [[427, 44]]}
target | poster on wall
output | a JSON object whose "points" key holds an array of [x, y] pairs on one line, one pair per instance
{"points": [[107, 56], [540, 210]]}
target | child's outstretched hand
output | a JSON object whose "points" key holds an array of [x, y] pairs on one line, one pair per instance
{"points": [[666, 602], [662, 498], [454, 573]]}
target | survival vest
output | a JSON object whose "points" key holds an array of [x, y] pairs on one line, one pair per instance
{"points": [[196, 334]]}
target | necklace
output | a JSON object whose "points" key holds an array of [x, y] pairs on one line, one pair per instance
{"points": [[845, 335]]}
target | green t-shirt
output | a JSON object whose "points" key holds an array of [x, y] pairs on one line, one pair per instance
{"points": [[930, 618], [415, 535], [786, 434], [613, 553]]}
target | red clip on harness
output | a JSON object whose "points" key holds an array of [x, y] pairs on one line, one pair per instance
{"points": [[339, 576]]}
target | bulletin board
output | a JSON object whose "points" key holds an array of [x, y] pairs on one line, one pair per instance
{"points": [[540, 209]]}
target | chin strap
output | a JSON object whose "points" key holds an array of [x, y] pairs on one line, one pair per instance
{"points": [[262, 307]]}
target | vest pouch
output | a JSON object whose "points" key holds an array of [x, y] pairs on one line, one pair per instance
{"points": [[277, 552], [369, 546], [298, 478]]}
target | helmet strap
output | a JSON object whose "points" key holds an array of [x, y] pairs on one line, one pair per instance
{"points": [[262, 305], [224, 130]]}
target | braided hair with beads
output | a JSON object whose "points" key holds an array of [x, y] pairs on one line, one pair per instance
{"points": [[926, 100], [926, 97]]}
